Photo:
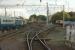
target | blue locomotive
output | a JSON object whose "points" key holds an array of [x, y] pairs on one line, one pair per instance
{"points": [[10, 22]]}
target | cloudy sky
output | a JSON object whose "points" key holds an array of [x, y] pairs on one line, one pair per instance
{"points": [[28, 10]]}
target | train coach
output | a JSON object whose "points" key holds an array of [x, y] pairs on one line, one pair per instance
{"points": [[19, 22], [10, 22]]}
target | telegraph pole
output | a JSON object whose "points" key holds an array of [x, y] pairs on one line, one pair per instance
{"points": [[14, 13], [63, 16], [47, 21], [5, 12], [47, 14]]}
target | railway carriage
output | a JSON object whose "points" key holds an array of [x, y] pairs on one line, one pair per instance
{"points": [[18, 22], [10, 22]]}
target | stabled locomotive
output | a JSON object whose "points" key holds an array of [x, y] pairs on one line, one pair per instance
{"points": [[10, 22]]}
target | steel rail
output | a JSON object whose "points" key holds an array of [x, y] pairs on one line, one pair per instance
{"points": [[37, 35], [28, 41], [3, 36], [47, 45], [42, 42], [39, 39]]}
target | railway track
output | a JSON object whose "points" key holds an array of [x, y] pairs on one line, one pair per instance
{"points": [[10, 34], [35, 31]]}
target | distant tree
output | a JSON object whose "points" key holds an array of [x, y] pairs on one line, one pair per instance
{"points": [[59, 16], [72, 14], [33, 18], [41, 17], [21, 17]]}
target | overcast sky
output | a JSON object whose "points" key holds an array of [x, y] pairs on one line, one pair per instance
{"points": [[25, 11]]}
